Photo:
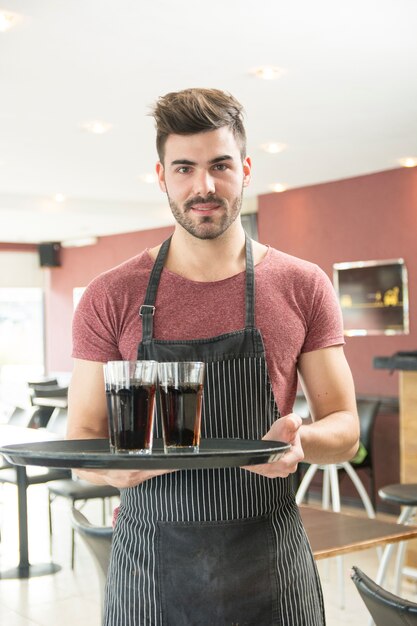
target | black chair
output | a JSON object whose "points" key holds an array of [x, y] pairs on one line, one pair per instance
{"points": [[77, 490], [367, 411], [35, 475], [32, 417], [42, 382], [385, 608], [49, 391], [98, 541], [53, 396]]}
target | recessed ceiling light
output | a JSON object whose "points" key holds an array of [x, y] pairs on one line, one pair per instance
{"points": [[273, 147], [267, 72], [408, 161], [278, 187], [7, 21], [59, 197], [97, 127], [148, 178]]}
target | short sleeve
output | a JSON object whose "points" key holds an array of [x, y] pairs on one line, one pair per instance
{"points": [[94, 330], [325, 323]]}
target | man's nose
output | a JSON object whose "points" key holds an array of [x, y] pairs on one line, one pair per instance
{"points": [[204, 183]]}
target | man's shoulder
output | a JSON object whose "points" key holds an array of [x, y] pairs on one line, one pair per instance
{"points": [[126, 276], [279, 261]]}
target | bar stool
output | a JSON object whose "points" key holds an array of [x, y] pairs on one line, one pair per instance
{"points": [[406, 496]]}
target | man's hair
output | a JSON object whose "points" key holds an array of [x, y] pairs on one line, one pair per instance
{"points": [[194, 111]]}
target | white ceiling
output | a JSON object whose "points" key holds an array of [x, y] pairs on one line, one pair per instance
{"points": [[345, 106]]}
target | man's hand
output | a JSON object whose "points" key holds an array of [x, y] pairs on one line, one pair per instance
{"points": [[286, 429], [121, 479]]}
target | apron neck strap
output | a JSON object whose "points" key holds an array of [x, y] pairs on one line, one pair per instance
{"points": [[250, 285], [147, 310]]}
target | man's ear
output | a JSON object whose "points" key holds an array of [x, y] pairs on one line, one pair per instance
{"points": [[161, 176], [247, 167]]}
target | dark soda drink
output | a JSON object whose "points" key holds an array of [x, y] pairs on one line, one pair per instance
{"points": [[181, 414], [131, 413]]}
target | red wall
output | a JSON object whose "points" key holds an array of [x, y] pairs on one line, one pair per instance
{"points": [[364, 218], [78, 267], [18, 247]]}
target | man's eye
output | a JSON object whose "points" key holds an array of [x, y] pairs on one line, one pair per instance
{"points": [[183, 170], [221, 167]]}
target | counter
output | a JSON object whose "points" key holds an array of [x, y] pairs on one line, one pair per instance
{"points": [[406, 364]]}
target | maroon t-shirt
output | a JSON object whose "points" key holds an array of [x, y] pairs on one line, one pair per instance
{"points": [[296, 311]]}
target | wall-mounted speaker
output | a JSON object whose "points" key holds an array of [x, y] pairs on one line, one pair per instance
{"points": [[49, 254]]}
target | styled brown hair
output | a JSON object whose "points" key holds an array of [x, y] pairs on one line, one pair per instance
{"points": [[194, 111]]}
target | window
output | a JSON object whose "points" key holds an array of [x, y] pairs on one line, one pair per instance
{"points": [[21, 341]]}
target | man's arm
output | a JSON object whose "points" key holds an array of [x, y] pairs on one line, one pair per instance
{"points": [[334, 434], [87, 410], [87, 419]]}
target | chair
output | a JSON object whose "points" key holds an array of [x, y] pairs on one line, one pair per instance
{"points": [[35, 475], [49, 395], [49, 391], [98, 541], [77, 490], [53, 396], [385, 608], [32, 417], [406, 496], [42, 382], [367, 411]]}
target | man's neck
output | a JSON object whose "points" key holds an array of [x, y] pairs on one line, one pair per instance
{"points": [[207, 260]]}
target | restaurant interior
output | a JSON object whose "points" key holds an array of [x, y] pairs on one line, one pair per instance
{"points": [[332, 132]]}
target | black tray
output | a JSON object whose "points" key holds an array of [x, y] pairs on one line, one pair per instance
{"points": [[95, 453]]}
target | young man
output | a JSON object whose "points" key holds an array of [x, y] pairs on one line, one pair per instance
{"points": [[216, 546]]}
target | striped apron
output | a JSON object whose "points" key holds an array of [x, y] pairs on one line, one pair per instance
{"points": [[213, 547]]}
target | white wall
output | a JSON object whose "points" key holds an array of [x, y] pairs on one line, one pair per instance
{"points": [[20, 269]]}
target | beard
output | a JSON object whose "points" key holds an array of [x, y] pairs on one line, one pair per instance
{"points": [[206, 227]]}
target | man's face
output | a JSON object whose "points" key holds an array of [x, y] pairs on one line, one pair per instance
{"points": [[203, 177]]}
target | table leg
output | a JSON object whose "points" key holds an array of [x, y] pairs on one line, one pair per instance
{"points": [[25, 569]]}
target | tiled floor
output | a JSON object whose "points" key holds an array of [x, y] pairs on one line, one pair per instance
{"points": [[72, 597]]}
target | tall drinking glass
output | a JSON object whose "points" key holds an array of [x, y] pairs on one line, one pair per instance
{"points": [[130, 392], [181, 394]]}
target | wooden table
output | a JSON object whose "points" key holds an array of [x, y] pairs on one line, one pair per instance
{"points": [[332, 534], [24, 569]]}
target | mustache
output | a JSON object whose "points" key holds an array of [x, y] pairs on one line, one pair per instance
{"points": [[201, 200]]}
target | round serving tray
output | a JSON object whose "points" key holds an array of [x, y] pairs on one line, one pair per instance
{"points": [[95, 453]]}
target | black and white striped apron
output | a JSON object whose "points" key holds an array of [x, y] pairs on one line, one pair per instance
{"points": [[214, 547]]}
